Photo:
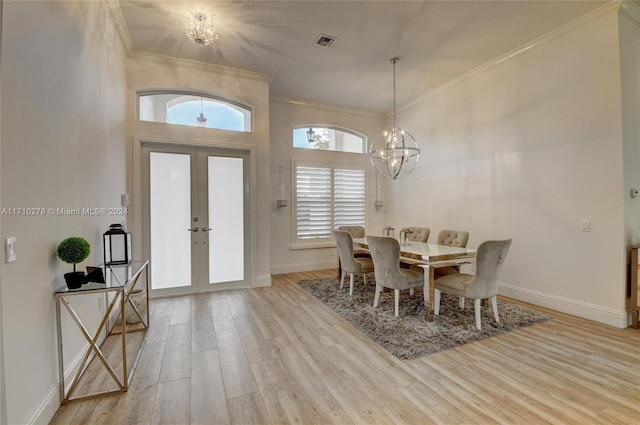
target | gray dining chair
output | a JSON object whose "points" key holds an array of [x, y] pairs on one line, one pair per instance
{"points": [[457, 238], [349, 263], [385, 253], [418, 234], [483, 285], [355, 232]]}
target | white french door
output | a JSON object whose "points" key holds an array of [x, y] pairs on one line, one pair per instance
{"points": [[194, 224]]}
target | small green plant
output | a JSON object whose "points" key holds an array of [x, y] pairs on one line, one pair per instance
{"points": [[74, 250]]}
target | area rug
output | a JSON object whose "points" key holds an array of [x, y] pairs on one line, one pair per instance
{"points": [[409, 335]]}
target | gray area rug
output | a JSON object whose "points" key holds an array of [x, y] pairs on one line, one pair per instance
{"points": [[409, 336]]}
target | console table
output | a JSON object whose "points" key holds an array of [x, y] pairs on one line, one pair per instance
{"points": [[119, 283]]}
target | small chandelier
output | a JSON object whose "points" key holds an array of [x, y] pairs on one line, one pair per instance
{"points": [[200, 30], [202, 121], [397, 153]]}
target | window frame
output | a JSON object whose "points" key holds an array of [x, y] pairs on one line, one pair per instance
{"points": [[246, 109], [332, 164], [364, 138]]}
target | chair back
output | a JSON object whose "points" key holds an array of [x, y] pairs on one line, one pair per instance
{"points": [[354, 231], [489, 261], [385, 253], [344, 243], [453, 238], [419, 234]]}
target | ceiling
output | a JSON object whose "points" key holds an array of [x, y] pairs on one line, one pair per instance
{"points": [[436, 41]]}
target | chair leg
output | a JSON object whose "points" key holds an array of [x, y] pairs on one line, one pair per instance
{"points": [[397, 303], [494, 305], [461, 302], [377, 297], [412, 291], [342, 278], [351, 285], [477, 303], [365, 277], [436, 302]]}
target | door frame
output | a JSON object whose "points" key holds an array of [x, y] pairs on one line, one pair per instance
{"points": [[136, 208]]}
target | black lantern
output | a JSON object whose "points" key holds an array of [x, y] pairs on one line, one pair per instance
{"points": [[117, 245]]}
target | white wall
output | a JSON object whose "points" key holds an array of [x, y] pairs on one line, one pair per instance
{"points": [[149, 71], [3, 398], [63, 145], [285, 115], [526, 149], [630, 70]]}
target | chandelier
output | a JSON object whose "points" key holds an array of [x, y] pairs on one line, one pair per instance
{"points": [[396, 154], [201, 120], [200, 30]]}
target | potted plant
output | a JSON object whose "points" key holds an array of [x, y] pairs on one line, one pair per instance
{"points": [[74, 250]]}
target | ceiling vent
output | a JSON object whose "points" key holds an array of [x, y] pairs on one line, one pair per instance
{"points": [[325, 40]]}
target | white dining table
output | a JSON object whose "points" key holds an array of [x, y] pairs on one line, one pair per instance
{"points": [[430, 257]]}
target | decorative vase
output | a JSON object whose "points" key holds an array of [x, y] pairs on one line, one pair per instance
{"points": [[138, 298], [74, 279]]}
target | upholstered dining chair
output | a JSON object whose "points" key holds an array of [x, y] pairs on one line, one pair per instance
{"points": [[350, 264], [457, 238], [355, 232], [385, 253], [419, 234], [490, 258]]}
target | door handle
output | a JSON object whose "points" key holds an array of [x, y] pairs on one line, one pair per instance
{"points": [[206, 229], [193, 229]]}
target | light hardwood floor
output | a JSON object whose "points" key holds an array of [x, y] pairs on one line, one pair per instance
{"points": [[276, 355]]}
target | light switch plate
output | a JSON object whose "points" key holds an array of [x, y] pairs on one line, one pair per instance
{"points": [[586, 226], [10, 250]]}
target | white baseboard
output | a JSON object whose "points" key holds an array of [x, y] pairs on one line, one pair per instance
{"points": [[49, 406], [263, 280], [305, 267], [607, 316]]}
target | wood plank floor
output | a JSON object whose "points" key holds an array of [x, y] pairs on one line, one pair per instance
{"points": [[276, 355]]}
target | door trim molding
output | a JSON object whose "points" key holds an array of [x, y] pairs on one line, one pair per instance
{"points": [[136, 191]]}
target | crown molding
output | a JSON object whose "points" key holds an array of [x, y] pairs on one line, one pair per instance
{"points": [[121, 27], [209, 66], [611, 7], [631, 9], [327, 106]]}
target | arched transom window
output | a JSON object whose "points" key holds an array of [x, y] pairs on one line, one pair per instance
{"points": [[329, 138], [194, 109]]}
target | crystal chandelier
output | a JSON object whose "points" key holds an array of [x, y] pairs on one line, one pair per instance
{"points": [[200, 30], [396, 153]]}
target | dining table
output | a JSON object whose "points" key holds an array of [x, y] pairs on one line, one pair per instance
{"points": [[429, 257]]}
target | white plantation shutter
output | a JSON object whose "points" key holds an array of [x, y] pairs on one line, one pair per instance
{"points": [[313, 202], [327, 198], [348, 195]]}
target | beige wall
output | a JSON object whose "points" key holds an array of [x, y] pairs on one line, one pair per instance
{"points": [[527, 148], [285, 115], [63, 146], [3, 399], [629, 22]]}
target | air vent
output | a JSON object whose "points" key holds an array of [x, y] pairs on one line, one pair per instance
{"points": [[325, 40]]}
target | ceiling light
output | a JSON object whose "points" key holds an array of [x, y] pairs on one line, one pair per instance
{"points": [[396, 153], [200, 30], [201, 120]]}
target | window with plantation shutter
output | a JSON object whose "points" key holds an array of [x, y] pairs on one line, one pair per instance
{"points": [[327, 197], [348, 195]]}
